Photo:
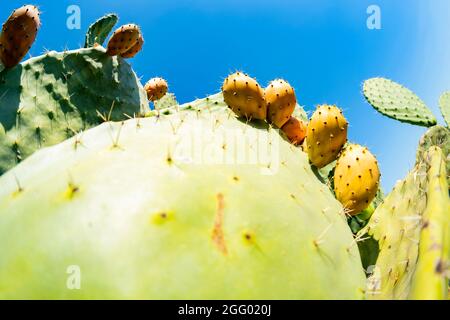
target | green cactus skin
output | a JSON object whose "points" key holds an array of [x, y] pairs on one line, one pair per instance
{"points": [[49, 98], [397, 102], [397, 225], [169, 100], [100, 29], [436, 136], [430, 281], [444, 104], [143, 220]]}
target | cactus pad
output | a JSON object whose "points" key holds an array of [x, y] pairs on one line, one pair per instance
{"points": [[49, 98], [216, 209], [100, 29], [444, 104], [397, 225], [397, 102]]}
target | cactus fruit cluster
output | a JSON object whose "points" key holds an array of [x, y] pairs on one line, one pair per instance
{"points": [[18, 34], [273, 207]]}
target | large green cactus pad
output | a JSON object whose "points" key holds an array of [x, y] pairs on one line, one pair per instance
{"points": [[100, 29], [194, 204], [398, 225], [444, 104], [397, 102], [51, 97]]}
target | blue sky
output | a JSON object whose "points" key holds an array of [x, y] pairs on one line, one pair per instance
{"points": [[322, 47]]}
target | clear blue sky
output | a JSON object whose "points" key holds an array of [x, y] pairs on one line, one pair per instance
{"points": [[323, 48]]}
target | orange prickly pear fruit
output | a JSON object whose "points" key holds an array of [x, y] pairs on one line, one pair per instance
{"points": [[156, 88], [244, 96], [281, 102], [326, 135], [123, 39], [356, 178], [295, 130], [18, 34]]}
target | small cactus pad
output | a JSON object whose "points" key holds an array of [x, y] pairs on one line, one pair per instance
{"points": [[193, 216], [295, 130], [18, 34], [99, 30], [326, 135], [436, 136], [169, 100], [156, 88], [244, 96], [135, 49], [398, 225], [397, 102], [123, 39], [50, 98], [444, 104], [281, 102], [356, 178]]}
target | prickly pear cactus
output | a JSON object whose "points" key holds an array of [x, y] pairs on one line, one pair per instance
{"points": [[444, 104], [49, 98], [100, 29], [217, 208], [412, 229], [436, 136], [397, 102]]}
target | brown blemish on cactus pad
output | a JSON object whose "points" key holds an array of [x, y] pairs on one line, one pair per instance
{"points": [[161, 217], [217, 236]]}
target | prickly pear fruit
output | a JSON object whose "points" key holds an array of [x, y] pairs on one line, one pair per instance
{"points": [[156, 88], [135, 49], [281, 101], [123, 39], [244, 96], [18, 34], [326, 135], [295, 130], [356, 178]]}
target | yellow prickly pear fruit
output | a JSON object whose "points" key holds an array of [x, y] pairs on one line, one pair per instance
{"points": [[156, 88], [356, 178], [281, 101], [123, 39], [244, 96], [326, 135], [135, 49], [18, 34], [295, 130]]}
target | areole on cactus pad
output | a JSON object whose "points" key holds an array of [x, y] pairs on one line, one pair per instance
{"points": [[217, 208]]}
